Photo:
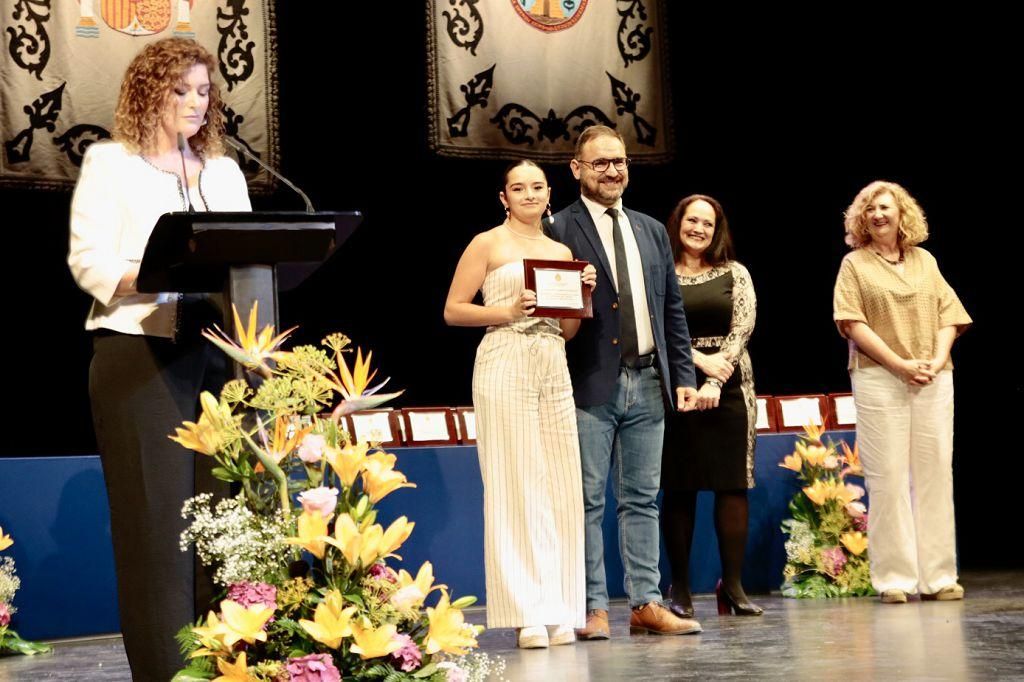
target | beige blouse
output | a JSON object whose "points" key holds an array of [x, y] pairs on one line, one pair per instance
{"points": [[905, 306]]}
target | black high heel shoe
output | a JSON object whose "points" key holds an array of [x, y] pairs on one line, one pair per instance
{"points": [[678, 608], [727, 605]]}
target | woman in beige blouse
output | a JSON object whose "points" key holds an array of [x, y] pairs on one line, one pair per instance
{"points": [[901, 318]]}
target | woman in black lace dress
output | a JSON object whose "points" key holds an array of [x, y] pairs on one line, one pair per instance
{"points": [[711, 448]]}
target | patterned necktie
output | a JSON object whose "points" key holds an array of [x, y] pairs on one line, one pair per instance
{"points": [[629, 347]]}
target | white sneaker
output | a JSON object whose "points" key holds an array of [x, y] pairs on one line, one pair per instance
{"points": [[561, 634], [534, 637]]}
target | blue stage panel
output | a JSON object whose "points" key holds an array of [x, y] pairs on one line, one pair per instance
{"points": [[56, 510]]}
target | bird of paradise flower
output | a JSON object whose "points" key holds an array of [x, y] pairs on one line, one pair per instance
{"points": [[252, 350]]}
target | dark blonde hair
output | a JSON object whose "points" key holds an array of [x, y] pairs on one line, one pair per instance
{"points": [[913, 227], [147, 87]]}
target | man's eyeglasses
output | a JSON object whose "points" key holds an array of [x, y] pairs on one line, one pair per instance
{"points": [[601, 165]]}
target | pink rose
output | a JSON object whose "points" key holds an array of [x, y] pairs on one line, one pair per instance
{"points": [[856, 509], [321, 500], [5, 615], [311, 450], [407, 597]]}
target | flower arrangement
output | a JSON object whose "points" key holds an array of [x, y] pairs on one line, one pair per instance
{"points": [[9, 584], [827, 548], [299, 552]]}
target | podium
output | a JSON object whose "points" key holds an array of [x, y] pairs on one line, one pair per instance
{"points": [[248, 256]]}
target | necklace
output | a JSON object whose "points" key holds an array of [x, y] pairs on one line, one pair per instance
{"points": [[891, 262], [524, 236]]}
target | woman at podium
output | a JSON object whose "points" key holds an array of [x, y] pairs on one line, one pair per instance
{"points": [[149, 362], [526, 423]]}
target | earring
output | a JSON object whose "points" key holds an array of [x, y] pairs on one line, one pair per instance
{"points": [[551, 218], [507, 212]]}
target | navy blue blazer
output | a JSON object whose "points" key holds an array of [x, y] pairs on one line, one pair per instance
{"points": [[594, 354]]}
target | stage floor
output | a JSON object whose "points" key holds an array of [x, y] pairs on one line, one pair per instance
{"points": [[981, 637]]}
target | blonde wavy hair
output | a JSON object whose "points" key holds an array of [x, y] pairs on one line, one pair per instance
{"points": [[913, 227], [147, 88]]}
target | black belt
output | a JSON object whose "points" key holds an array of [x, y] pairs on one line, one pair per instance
{"points": [[642, 361]]}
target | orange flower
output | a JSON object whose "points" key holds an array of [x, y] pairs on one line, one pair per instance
{"points": [[253, 348], [814, 432], [852, 459], [281, 445]]}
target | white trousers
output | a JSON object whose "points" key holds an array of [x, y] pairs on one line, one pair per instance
{"points": [[533, 490], [905, 437]]}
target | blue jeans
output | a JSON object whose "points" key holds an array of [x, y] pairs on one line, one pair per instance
{"points": [[624, 435]]}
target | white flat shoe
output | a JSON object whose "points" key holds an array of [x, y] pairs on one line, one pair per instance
{"points": [[893, 596], [560, 634], [533, 637]]}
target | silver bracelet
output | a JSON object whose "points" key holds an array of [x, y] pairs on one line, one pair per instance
{"points": [[714, 382]]}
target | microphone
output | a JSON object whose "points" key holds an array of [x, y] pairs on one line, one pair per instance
{"points": [[249, 155], [184, 173]]}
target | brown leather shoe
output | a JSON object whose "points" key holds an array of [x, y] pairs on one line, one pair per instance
{"points": [[654, 619], [597, 626]]}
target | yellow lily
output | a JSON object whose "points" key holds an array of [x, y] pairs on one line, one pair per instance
{"points": [[852, 459], [412, 591], [331, 623], [792, 462], [312, 527], [365, 547], [374, 643], [396, 534], [233, 672], [207, 435], [814, 432], [347, 462], [211, 637], [348, 539], [380, 478], [449, 631], [812, 454], [856, 542], [252, 349], [847, 493], [244, 623], [819, 492], [5, 540]]}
